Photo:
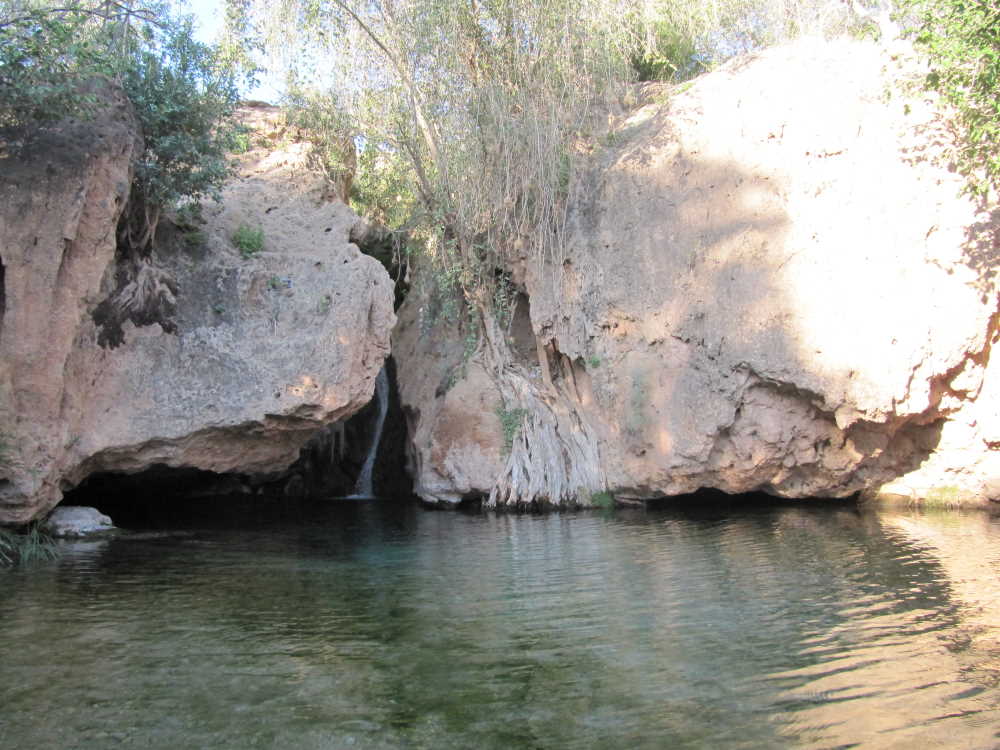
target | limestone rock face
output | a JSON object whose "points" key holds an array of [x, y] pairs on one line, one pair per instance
{"points": [[771, 284], [456, 439], [249, 357]]}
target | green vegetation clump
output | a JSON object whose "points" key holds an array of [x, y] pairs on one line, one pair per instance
{"points": [[26, 546], [248, 240], [239, 141], [603, 499], [945, 495], [45, 60], [193, 238], [678, 39], [510, 422], [327, 129], [53, 57], [962, 42]]}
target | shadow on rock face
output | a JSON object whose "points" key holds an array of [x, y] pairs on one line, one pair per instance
{"points": [[740, 303]]}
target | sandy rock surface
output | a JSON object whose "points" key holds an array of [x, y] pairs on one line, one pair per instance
{"points": [[262, 351], [769, 285]]}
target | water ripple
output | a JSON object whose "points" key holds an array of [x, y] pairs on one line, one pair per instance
{"points": [[371, 625]]}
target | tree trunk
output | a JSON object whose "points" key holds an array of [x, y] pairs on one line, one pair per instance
{"points": [[555, 457]]}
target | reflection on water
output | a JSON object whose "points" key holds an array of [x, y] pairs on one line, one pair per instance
{"points": [[379, 625]]}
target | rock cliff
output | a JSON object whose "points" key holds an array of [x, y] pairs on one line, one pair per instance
{"points": [[770, 284], [195, 357]]}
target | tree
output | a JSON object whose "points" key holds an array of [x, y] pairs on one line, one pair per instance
{"points": [[961, 39], [45, 58], [185, 100], [184, 93], [486, 101], [334, 152], [492, 103]]}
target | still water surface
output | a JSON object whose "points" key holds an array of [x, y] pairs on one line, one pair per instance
{"points": [[374, 624]]}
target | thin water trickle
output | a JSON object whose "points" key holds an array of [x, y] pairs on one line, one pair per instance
{"points": [[363, 487]]}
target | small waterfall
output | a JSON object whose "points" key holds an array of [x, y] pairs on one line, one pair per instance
{"points": [[363, 488]]}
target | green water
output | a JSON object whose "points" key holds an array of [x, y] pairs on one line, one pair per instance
{"points": [[381, 625]]}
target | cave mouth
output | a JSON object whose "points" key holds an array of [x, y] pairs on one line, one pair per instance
{"points": [[165, 499], [327, 469], [163, 496]]}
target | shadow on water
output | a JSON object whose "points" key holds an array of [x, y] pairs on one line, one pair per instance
{"points": [[241, 512], [723, 504]]}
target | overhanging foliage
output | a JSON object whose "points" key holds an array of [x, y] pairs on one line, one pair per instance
{"points": [[184, 92], [962, 41]]}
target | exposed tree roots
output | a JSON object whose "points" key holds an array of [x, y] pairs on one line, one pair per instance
{"points": [[145, 295], [554, 458]]}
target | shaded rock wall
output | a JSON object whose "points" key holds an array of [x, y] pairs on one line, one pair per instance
{"points": [[59, 204], [265, 350], [770, 283]]}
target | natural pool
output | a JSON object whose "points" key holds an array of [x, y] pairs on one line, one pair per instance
{"points": [[377, 624]]}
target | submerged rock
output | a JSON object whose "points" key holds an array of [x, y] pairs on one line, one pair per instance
{"points": [[770, 284], [200, 356], [77, 520]]}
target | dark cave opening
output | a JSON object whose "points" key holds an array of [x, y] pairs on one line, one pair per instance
{"points": [[163, 495], [520, 331], [327, 469]]}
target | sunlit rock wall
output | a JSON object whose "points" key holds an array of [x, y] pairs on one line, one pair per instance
{"points": [[771, 283]]}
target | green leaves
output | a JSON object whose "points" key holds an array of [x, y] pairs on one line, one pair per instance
{"points": [[510, 422], [383, 186], [248, 240], [184, 92], [327, 128], [184, 100], [962, 43], [45, 58]]}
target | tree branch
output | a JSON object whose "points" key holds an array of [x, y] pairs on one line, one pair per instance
{"points": [[143, 14], [411, 89]]}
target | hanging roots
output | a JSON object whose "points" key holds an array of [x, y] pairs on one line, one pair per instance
{"points": [[145, 295], [554, 458]]}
